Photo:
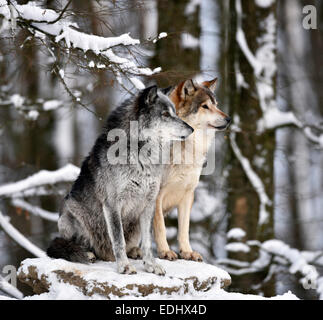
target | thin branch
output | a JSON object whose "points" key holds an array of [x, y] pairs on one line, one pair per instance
{"points": [[73, 97], [15, 235], [60, 16], [37, 211]]}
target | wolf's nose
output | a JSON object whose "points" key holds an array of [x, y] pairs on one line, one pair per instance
{"points": [[228, 120]]}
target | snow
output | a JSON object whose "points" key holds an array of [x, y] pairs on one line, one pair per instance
{"points": [[17, 100], [263, 63], [192, 6], [51, 216], [66, 30], [160, 36], [223, 295], [9, 289], [6, 298], [68, 292], [297, 262], [61, 73], [44, 21], [91, 42], [255, 181], [242, 41], [32, 115], [237, 247], [236, 234], [274, 118], [19, 238], [67, 173], [188, 41], [264, 3], [137, 83], [102, 271], [206, 203], [52, 105], [105, 272]]}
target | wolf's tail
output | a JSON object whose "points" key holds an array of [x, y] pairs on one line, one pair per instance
{"points": [[69, 250]]}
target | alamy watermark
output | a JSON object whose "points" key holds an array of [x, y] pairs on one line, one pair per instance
{"points": [[310, 19], [9, 273], [309, 283], [151, 146]]}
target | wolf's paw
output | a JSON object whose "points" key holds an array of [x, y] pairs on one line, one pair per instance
{"points": [[126, 269], [153, 267], [168, 255], [90, 257], [191, 255], [135, 253]]}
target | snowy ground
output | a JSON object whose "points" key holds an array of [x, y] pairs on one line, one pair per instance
{"points": [[72, 293]]}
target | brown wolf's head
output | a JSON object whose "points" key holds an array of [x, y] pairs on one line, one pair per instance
{"points": [[196, 104]]}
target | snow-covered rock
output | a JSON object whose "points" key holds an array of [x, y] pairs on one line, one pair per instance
{"points": [[101, 278]]}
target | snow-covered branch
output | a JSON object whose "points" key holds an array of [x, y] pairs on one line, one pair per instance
{"points": [[19, 238], [29, 109], [31, 185], [44, 177], [60, 31], [254, 179], [37, 211], [272, 253], [295, 259], [6, 287]]}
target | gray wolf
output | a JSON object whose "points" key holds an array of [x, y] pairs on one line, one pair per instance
{"points": [[110, 206], [195, 104]]}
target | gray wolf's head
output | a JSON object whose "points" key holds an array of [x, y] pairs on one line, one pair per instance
{"points": [[157, 113]]}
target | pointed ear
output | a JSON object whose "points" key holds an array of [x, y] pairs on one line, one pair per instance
{"points": [[188, 88], [150, 95], [211, 84], [167, 91]]}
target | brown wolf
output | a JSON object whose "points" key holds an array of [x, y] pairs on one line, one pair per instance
{"points": [[197, 106]]}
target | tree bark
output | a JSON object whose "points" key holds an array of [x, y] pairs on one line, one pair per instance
{"points": [[243, 200]]}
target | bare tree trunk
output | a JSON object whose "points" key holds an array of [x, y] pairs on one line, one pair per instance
{"points": [[183, 62]]}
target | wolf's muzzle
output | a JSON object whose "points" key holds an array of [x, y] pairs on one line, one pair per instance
{"points": [[190, 130]]}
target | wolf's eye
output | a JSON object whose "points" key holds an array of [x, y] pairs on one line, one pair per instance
{"points": [[205, 106], [166, 114]]}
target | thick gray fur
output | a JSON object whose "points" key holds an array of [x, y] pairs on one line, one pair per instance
{"points": [[110, 208]]}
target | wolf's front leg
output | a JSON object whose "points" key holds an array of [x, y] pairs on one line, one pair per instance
{"points": [[163, 249], [115, 231], [184, 212], [146, 220]]}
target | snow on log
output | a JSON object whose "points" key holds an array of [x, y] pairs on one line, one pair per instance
{"points": [[102, 280]]}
